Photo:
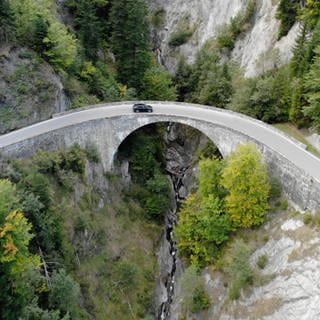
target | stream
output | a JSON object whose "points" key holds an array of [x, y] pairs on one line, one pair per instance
{"points": [[171, 221]]}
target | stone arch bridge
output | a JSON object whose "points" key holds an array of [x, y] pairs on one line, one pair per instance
{"points": [[106, 126]]}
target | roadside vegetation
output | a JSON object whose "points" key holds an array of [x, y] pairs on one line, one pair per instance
{"points": [[63, 255]]}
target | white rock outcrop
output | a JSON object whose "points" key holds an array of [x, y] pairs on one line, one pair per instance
{"points": [[256, 51], [293, 268]]}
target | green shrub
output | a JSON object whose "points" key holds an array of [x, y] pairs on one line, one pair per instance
{"points": [[38, 184], [282, 204], [92, 154], [228, 33], [308, 218], [74, 159], [194, 296], [262, 261], [127, 274], [200, 300], [65, 292], [182, 33], [158, 18], [180, 37], [275, 188], [239, 268], [225, 38]]}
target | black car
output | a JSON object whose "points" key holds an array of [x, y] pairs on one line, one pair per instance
{"points": [[142, 107]]}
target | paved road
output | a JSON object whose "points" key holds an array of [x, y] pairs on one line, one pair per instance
{"points": [[261, 132]]}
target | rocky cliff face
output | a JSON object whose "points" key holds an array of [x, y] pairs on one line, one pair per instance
{"points": [[290, 289], [30, 90], [256, 51], [183, 148]]}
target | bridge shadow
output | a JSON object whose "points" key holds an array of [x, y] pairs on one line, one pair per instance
{"points": [[175, 145]]}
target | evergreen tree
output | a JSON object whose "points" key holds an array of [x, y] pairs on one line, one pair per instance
{"points": [[90, 28], [130, 40], [287, 13], [312, 86], [182, 79], [40, 32], [158, 85], [311, 13], [313, 43], [216, 88], [298, 102], [299, 62], [7, 21], [266, 97]]}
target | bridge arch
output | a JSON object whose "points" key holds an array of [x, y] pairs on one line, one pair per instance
{"points": [[225, 140], [191, 138], [106, 126]]}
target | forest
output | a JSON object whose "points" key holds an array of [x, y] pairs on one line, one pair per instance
{"points": [[98, 64]]}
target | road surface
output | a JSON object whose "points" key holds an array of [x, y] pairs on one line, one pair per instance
{"points": [[250, 127]]}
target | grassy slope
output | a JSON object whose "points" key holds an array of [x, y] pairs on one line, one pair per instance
{"points": [[300, 135]]}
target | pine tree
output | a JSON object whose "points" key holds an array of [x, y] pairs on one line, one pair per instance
{"points": [[130, 40], [158, 85], [39, 33], [182, 79], [311, 13], [299, 60], [90, 28], [287, 12], [312, 86], [313, 43], [7, 21]]}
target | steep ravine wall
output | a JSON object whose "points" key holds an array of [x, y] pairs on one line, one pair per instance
{"points": [[256, 51], [30, 90]]}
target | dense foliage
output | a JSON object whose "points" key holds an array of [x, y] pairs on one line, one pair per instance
{"points": [[55, 239], [245, 178], [207, 81], [232, 193], [130, 40], [151, 187], [102, 50], [287, 13]]}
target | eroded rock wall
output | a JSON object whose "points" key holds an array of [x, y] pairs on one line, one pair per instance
{"points": [[30, 90], [256, 51]]}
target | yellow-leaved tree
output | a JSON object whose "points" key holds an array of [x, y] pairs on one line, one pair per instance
{"points": [[18, 267], [245, 178]]}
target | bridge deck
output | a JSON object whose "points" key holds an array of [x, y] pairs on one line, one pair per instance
{"points": [[257, 130]]}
